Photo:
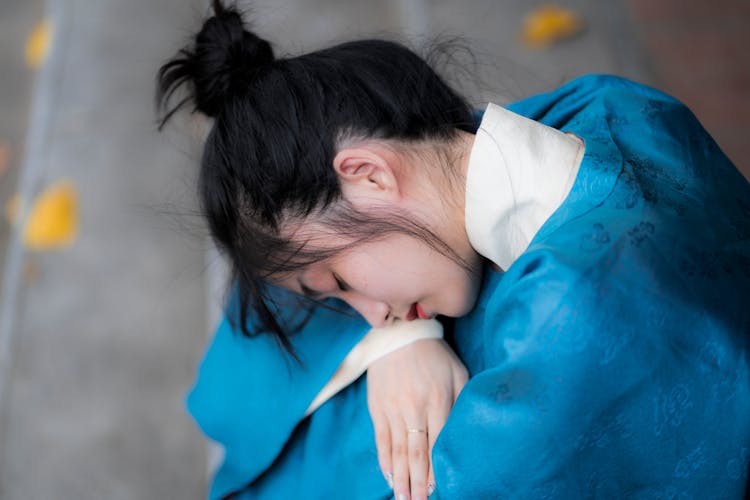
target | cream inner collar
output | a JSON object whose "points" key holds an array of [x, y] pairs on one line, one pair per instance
{"points": [[519, 173]]}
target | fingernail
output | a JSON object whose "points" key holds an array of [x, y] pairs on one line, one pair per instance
{"points": [[401, 496], [389, 479], [430, 489]]}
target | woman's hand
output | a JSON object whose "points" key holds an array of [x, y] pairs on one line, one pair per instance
{"points": [[410, 393]]}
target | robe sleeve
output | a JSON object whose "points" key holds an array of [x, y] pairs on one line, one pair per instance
{"points": [[597, 385], [250, 394]]}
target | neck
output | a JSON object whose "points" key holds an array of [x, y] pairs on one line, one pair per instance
{"points": [[455, 195], [464, 144], [437, 190]]}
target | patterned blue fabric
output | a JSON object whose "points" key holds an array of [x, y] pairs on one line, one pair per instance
{"points": [[611, 360], [250, 394]]}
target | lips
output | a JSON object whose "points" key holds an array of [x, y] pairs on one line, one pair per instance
{"points": [[415, 312], [421, 313], [412, 314]]}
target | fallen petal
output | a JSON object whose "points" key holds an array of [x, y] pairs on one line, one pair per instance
{"points": [[38, 44], [53, 220], [549, 24]]}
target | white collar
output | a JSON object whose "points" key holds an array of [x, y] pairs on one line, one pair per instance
{"points": [[519, 173]]}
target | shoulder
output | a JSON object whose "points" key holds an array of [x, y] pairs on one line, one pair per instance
{"points": [[586, 88], [595, 95]]}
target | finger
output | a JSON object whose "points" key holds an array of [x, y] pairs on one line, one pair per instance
{"points": [[418, 462], [437, 418], [383, 444], [399, 458]]}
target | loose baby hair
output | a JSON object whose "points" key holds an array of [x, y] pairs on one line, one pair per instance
{"points": [[268, 158]]}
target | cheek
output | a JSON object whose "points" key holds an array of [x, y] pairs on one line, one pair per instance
{"points": [[456, 294], [388, 270], [379, 279], [456, 287], [470, 295]]}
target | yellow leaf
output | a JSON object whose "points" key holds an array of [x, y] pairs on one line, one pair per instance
{"points": [[53, 220], [13, 209], [549, 24], [38, 44]]}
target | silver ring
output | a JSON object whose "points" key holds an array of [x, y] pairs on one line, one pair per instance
{"points": [[416, 431]]}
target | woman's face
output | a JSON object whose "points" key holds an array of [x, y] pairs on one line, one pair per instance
{"points": [[395, 277]]}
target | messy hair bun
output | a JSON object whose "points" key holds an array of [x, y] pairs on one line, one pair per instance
{"points": [[224, 59]]}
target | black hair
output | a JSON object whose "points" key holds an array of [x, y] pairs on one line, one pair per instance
{"points": [[269, 156]]}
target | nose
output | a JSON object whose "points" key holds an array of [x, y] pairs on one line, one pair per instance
{"points": [[376, 313]]}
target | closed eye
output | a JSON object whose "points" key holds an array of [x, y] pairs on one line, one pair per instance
{"points": [[318, 295], [341, 283], [310, 293]]}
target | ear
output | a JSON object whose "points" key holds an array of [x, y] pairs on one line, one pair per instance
{"points": [[368, 169]]}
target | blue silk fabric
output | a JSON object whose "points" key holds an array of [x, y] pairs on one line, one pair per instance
{"points": [[609, 361]]}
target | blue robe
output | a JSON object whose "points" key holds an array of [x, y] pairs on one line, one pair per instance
{"points": [[610, 360]]}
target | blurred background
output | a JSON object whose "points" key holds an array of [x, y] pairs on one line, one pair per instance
{"points": [[110, 288]]}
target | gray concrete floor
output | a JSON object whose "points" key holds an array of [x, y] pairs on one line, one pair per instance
{"points": [[105, 339]]}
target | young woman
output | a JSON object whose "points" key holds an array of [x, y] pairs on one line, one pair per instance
{"points": [[593, 242]]}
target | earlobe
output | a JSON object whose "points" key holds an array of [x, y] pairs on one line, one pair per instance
{"points": [[366, 167]]}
